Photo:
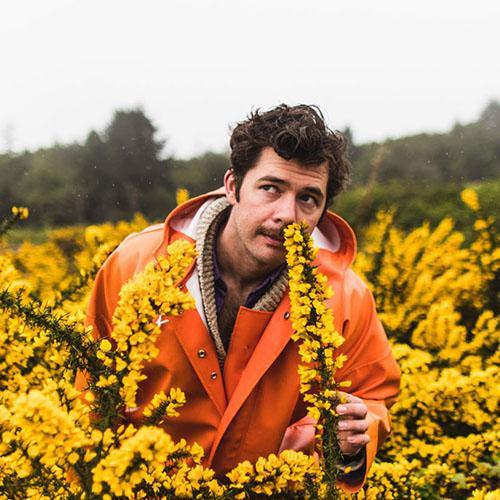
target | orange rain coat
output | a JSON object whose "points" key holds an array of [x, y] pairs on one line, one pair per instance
{"points": [[252, 407]]}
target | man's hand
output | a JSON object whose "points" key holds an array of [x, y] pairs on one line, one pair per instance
{"points": [[353, 425]]}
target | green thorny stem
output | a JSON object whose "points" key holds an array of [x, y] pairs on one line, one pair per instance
{"points": [[328, 445]]}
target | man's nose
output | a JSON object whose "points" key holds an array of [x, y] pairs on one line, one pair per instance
{"points": [[286, 210]]}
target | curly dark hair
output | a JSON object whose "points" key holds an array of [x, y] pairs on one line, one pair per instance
{"points": [[295, 133]]}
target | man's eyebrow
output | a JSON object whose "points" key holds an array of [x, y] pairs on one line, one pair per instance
{"points": [[277, 180], [283, 182]]}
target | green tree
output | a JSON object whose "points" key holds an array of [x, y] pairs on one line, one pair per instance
{"points": [[134, 164], [122, 171], [50, 185]]}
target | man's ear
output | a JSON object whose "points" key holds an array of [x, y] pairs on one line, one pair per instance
{"points": [[230, 185]]}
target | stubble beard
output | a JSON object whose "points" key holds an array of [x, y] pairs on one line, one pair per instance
{"points": [[275, 235]]}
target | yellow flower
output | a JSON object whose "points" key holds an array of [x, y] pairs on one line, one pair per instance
{"points": [[469, 197], [105, 345], [480, 225], [20, 212], [163, 406], [181, 196]]}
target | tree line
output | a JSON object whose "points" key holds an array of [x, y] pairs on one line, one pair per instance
{"points": [[121, 170]]}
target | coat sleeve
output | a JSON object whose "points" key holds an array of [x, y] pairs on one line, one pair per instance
{"points": [[370, 366]]}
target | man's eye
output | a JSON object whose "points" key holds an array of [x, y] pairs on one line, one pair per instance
{"points": [[310, 200], [269, 188]]}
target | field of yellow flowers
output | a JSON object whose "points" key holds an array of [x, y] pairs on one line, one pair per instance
{"points": [[437, 296]]}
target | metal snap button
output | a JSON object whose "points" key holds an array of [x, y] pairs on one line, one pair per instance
{"points": [[201, 353], [213, 375], [286, 315]]}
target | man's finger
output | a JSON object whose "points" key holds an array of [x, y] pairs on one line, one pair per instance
{"points": [[354, 441], [358, 439], [356, 410], [353, 426]]}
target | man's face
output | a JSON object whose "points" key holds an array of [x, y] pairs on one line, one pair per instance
{"points": [[273, 194]]}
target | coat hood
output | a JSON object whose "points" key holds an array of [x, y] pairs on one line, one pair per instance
{"points": [[332, 235]]}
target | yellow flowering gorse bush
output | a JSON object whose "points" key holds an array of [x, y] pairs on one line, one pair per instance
{"points": [[438, 300], [436, 293]]}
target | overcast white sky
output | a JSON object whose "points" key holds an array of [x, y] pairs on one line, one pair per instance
{"points": [[385, 68]]}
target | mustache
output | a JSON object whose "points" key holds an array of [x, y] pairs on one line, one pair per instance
{"points": [[272, 233]]}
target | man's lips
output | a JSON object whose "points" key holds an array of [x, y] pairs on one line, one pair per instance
{"points": [[273, 242], [274, 239]]}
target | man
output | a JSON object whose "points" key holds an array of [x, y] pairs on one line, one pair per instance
{"points": [[232, 355]]}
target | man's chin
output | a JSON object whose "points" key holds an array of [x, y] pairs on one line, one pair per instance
{"points": [[273, 258]]}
